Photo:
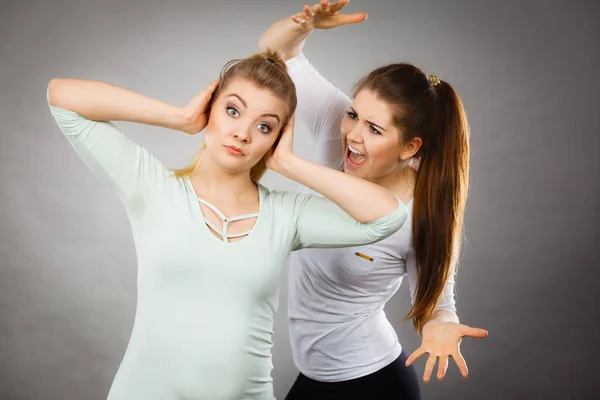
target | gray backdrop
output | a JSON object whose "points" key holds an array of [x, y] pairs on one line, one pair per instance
{"points": [[527, 72]]}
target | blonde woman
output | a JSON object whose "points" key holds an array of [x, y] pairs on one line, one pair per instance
{"points": [[210, 240]]}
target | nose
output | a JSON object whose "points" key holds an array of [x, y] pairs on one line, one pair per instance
{"points": [[355, 134], [242, 134]]}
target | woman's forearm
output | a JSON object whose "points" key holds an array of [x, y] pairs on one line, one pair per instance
{"points": [[284, 36], [362, 200], [102, 101]]}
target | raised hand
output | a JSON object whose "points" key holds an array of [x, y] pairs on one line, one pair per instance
{"points": [[324, 15], [442, 340], [283, 148], [197, 111]]}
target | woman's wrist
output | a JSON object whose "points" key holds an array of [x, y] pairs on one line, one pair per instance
{"points": [[284, 36], [180, 119], [286, 166], [170, 117], [440, 317]]}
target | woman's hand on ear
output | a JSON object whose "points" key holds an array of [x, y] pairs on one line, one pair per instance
{"points": [[283, 149], [197, 111]]}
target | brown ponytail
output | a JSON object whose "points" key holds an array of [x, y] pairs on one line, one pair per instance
{"points": [[430, 109], [440, 195]]}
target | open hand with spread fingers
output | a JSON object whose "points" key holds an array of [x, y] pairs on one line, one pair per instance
{"points": [[325, 15], [441, 340]]}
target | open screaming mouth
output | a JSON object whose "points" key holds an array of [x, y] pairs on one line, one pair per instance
{"points": [[355, 158]]}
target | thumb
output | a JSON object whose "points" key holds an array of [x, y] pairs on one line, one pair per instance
{"points": [[211, 87], [475, 332], [345, 19], [286, 138], [208, 91], [289, 127]]}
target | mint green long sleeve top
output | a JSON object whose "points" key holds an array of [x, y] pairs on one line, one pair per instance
{"points": [[205, 306]]}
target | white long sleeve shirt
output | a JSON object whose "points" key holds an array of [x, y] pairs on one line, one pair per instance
{"points": [[337, 324]]}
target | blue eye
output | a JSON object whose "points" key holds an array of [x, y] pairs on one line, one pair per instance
{"points": [[232, 111], [264, 128]]}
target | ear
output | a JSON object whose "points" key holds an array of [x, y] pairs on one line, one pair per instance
{"points": [[410, 148]]}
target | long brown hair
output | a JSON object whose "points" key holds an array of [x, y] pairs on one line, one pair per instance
{"points": [[430, 109], [266, 70]]}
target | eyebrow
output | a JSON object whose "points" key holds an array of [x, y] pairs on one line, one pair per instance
{"points": [[370, 122], [246, 106], [239, 98]]}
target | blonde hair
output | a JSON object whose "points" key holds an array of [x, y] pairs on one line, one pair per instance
{"points": [[267, 70]]}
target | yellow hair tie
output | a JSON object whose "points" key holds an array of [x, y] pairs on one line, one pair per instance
{"points": [[433, 79]]}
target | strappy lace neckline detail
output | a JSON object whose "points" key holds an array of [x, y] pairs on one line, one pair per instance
{"points": [[225, 222]]}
